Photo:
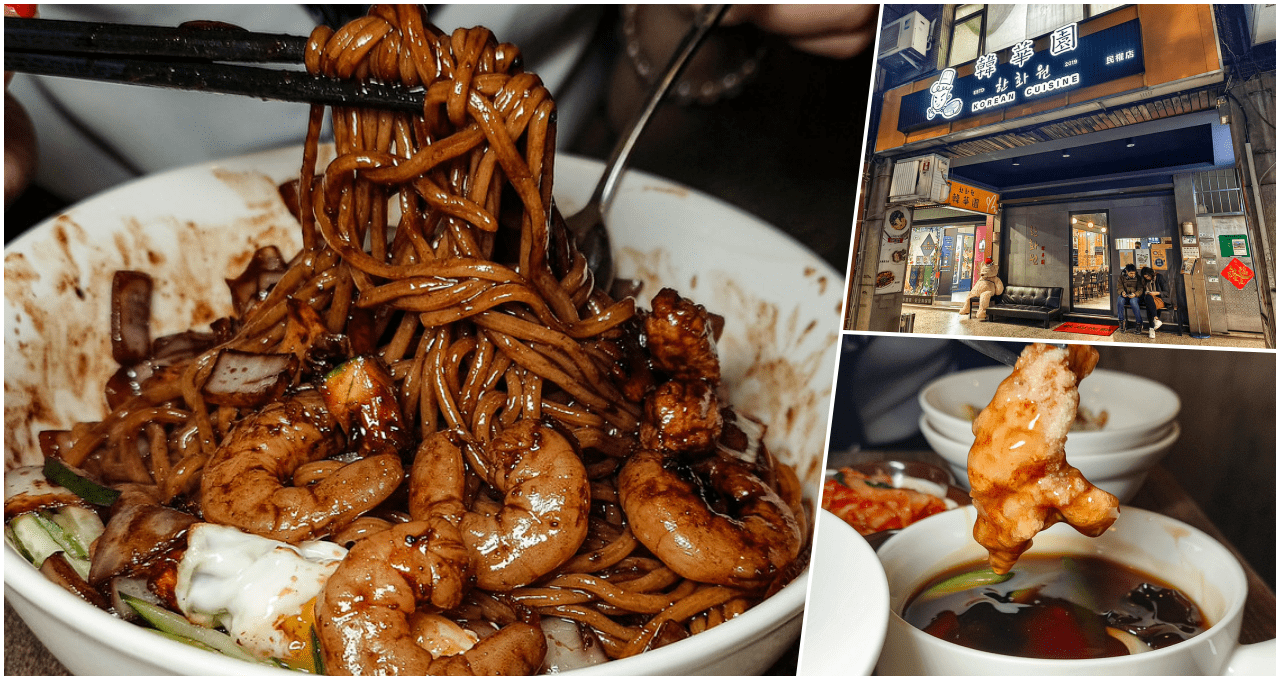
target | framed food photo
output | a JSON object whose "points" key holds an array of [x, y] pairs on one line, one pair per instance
{"points": [[895, 244]]}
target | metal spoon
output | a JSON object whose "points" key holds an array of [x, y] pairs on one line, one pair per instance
{"points": [[588, 225]]}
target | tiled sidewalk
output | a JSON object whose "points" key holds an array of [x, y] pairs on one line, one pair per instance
{"points": [[945, 321]]}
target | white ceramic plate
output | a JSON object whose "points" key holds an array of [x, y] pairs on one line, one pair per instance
{"points": [[194, 227], [845, 622]]}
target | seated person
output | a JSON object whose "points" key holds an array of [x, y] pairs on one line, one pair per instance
{"points": [[1153, 299], [1129, 291]]}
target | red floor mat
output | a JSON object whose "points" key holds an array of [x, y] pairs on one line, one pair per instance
{"points": [[1087, 328]]}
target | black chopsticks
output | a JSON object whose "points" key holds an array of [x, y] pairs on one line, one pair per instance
{"points": [[190, 57], [209, 41]]}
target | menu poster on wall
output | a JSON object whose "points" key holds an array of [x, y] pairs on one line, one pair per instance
{"points": [[895, 242], [1160, 257], [1126, 257], [1233, 245]]}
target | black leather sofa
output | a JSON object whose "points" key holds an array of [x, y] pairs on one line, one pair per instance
{"points": [[1027, 302]]}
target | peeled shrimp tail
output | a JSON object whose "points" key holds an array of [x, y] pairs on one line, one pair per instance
{"points": [[363, 615], [438, 478], [1018, 471], [669, 516], [517, 649], [244, 482], [543, 517]]}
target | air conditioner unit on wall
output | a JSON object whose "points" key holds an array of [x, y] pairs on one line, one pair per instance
{"points": [[905, 42], [920, 181], [1262, 23]]}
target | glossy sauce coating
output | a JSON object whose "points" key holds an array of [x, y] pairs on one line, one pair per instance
{"points": [[1020, 480]]}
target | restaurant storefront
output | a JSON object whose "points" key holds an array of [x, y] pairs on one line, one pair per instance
{"points": [[1090, 137], [945, 245]]}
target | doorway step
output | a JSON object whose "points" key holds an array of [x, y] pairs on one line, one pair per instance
{"points": [[1080, 317]]}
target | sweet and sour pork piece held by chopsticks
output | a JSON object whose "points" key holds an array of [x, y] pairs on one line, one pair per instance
{"points": [[1021, 482]]}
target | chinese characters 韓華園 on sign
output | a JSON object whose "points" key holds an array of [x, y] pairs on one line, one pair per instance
{"points": [[1021, 74], [973, 198]]}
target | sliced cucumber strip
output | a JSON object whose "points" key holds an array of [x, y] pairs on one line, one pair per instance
{"points": [[183, 640], [317, 658], [32, 538], [176, 624], [75, 553], [57, 472], [83, 526]]}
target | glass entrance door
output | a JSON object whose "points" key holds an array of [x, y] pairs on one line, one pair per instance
{"points": [[963, 278], [922, 274], [1090, 263]]}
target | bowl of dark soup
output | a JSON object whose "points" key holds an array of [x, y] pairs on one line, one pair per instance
{"points": [[1151, 596]]}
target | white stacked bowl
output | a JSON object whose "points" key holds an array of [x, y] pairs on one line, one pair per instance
{"points": [[1140, 428]]}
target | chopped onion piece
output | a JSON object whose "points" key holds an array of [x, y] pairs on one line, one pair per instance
{"points": [[130, 317], [246, 379]]}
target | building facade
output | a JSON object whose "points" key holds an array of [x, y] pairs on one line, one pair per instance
{"points": [[1063, 142]]}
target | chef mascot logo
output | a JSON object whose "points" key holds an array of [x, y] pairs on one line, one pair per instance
{"points": [[943, 102]]}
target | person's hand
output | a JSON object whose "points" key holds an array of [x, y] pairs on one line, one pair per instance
{"points": [[19, 133], [836, 31]]}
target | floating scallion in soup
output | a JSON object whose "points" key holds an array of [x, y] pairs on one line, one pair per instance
{"points": [[1055, 607]]}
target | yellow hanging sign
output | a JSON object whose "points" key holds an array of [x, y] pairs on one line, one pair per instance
{"points": [[972, 198]]}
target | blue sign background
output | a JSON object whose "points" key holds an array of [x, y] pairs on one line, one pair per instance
{"points": [[1089, 60]]}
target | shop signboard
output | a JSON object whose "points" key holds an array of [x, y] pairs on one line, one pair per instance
{"points": [[895, 240], [1068, 62], [977, 199]]}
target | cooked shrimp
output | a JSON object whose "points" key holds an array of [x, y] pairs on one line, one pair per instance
{"points": [[680, 335], [244, 482], [681, 416], [438, 478], [542, 519], [746, 546], [366, 616], [1021, 481]]}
